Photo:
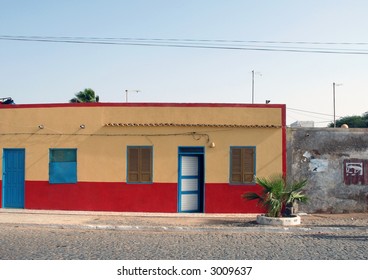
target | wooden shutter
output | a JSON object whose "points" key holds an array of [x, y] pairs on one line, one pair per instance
{"points": [[242, 165], [133, 165], [145, 164], [63, 166], [139, 164], [236, 163], [248, 165]]}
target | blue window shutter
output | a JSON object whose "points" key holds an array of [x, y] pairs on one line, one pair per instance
{"points": [[63, 166]]}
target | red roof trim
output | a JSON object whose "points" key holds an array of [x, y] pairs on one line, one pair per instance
{"points": [[100, 104]]}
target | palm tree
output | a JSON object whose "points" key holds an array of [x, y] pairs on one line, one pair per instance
{"points": [[86, 96], [277, 194]]}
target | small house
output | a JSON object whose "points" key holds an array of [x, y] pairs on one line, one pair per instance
{"points": [[139, 157]]}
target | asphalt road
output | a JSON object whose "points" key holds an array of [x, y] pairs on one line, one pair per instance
{"points": [[21, 242]]}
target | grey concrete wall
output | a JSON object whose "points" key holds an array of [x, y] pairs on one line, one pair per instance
{"points": [[323, 156]]}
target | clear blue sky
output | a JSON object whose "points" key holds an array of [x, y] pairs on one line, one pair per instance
{"points": [[39, 72]]}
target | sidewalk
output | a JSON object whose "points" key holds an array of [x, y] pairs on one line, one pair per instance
{"points": [[175, 221]]}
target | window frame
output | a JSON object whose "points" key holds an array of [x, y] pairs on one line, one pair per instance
{"points": [[63, 172], [253, 182], [140, 181]]}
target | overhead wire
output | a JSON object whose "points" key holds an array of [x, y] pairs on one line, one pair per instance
{"points": [[194, 43], [321, 117], [310, 112], [203, 43], [181, 40], [318, 118]]}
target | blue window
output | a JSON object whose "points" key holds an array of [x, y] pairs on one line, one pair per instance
{"points": [[242, 165], [63, 166]]}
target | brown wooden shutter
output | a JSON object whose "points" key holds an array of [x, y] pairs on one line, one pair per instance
{"points": [[133, 164], [242, 165], [248, 164], [236, 162], [139, 164], [146, 164]]}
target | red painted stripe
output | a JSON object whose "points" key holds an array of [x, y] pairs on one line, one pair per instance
{"points": [[100, 104], [121, 197], [94, 196], [225, 198]]}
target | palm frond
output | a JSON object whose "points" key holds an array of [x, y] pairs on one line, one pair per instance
{"points": [[296, 196], [252, 196], [295, 186], [74, 100], [277, 192], [86, 96]]}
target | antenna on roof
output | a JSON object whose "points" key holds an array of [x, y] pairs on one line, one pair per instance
{"points": [[130, 90], [254, 73]]}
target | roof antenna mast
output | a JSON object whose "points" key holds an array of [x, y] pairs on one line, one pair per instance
{"points": [[130, 90]]}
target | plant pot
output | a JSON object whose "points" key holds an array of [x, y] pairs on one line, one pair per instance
{"points": [[291, 209], [282, 221]]}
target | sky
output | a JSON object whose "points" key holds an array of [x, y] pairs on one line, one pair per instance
{"points": [[199, 67]]}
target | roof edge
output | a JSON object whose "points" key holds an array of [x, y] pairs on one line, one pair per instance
{"points": [[150, 104]]}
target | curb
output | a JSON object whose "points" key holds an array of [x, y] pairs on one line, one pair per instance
{"points": [[123, 214], [255, 229]]}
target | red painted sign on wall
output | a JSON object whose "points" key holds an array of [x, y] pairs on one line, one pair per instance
{"points": [[355, 171]]}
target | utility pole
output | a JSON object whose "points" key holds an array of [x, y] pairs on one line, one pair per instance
{"points": [[334, 85], [252, 86], [334, 110]]}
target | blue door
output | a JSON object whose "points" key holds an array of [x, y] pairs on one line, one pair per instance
{"points": [[13, 178], [191, 181]]}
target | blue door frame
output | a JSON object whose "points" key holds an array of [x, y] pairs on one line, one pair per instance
{"points": [[13, 178], [191, 180]]}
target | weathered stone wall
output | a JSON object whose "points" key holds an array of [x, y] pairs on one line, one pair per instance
{"points": [[335, 162]]}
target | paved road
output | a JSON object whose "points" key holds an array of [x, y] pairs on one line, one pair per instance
{"points": [[22, 242]]}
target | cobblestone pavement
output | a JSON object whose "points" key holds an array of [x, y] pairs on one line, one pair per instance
{"points": [[321, 237]]}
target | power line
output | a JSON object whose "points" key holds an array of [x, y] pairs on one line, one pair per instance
{"points": [[191, 43], [305, 111], [185, 40]]}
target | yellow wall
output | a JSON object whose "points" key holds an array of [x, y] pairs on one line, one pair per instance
{"points": [[102, 149]]}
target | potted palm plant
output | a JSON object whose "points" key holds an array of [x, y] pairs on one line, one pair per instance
{"points": [[278, 197]]}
